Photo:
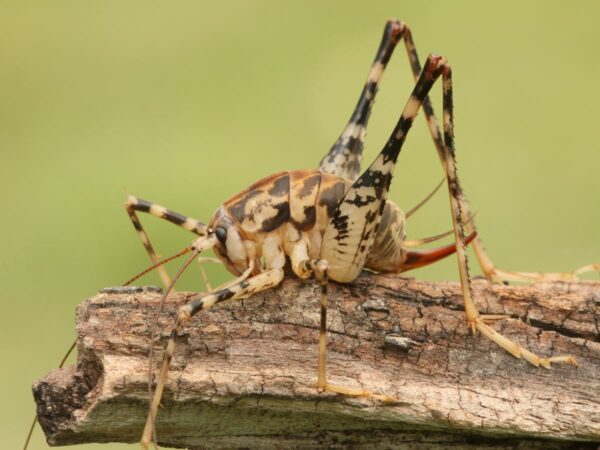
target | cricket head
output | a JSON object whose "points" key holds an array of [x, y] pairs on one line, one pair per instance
{"points": [[227, 242]]}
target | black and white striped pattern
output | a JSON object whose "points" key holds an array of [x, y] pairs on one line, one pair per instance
{"points": [[461, 213], [344, 157], [260, 282], [350, 234], [134, 204], [352, 219]]}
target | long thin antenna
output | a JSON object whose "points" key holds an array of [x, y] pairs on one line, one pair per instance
{"points": [[427, 240], [415, 208], [158, 264], [155, 325]]}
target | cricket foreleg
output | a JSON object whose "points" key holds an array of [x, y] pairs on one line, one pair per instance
{"points": [[134, 204], [260, 282]]}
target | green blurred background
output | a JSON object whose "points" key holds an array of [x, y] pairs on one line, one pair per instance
{"points": [[186, 103]]}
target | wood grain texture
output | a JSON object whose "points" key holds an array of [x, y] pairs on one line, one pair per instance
{"points": [[244, 372]]}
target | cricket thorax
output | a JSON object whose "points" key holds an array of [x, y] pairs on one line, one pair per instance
{"points": [[277, 211]]}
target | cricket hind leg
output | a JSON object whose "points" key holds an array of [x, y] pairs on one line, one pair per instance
{"points": [[344, 157], [476, 321], [485, 263], [350, 234], [135, 204], [265, 280], [493, 273]]}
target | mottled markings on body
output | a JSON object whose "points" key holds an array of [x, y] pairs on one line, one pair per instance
{"points": [[281, 186], [376, 180], [359, 200], [304, 190], [238, 209], [309, 184], [371, 216], [311, 202], [340, 222], [264, 206], [331, 196], [281, 216], [310, 217], [355, 220]]}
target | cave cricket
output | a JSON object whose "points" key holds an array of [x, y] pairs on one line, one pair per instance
{"points": [[333, 222]]}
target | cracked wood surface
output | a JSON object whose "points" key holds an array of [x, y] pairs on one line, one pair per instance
{"points": [[244, 372]]}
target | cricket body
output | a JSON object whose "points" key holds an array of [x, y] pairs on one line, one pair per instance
{"points": [[288, 214], [333, 222]]}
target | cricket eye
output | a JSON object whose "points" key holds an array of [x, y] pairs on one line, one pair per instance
{"points": [[221, 234]]}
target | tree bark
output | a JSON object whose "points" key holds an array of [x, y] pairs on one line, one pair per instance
{"points": [[244, 372]]}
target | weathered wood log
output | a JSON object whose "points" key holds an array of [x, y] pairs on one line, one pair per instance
{"points": [[244, 372]]}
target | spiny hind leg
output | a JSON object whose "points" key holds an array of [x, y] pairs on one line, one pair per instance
{"points": [[134, 204], [487, 266], [257, 283], [516, 350], [344, 157], [493, 273], [476, 321]]}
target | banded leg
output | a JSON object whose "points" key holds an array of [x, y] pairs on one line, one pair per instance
{"points": [[350, 234], [344, 157], [486, 264], [134, 204], [476, 321], [260, 282]]}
